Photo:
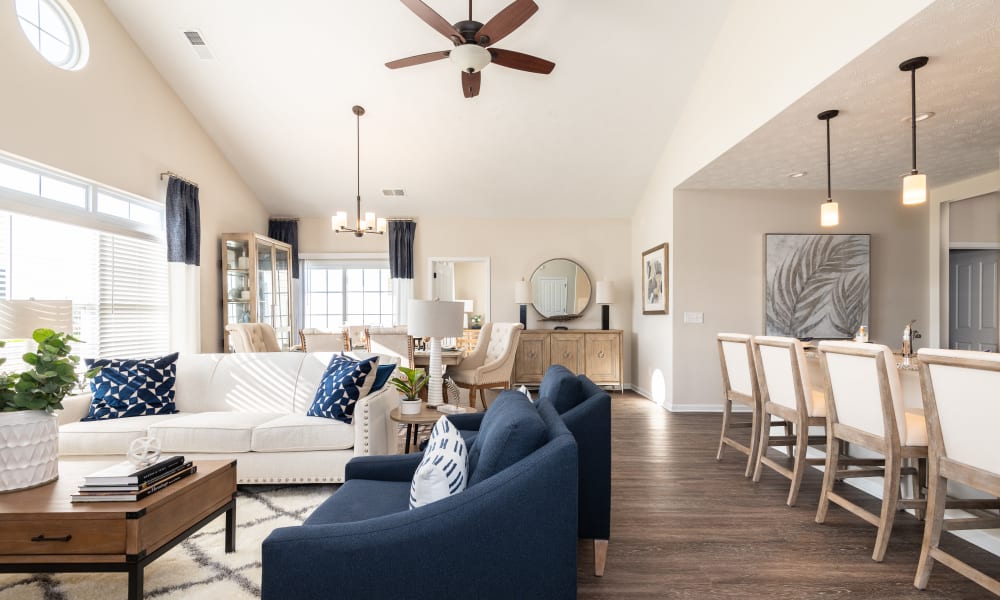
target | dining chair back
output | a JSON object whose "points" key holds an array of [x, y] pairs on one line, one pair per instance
{"points": [[739, 385], [394, 341]]}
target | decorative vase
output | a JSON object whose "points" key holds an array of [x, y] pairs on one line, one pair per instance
{"points": [[29, 449], [409, 407]]}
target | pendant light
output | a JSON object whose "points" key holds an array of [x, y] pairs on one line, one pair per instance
{"points": [[914, 184], [829, 213], [370, 224]]}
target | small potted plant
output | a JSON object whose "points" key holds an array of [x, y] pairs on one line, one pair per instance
{"points": [[410, 386], [27, 400]]}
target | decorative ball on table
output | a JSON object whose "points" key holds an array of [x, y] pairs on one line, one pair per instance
{"points": [[144, 451]]}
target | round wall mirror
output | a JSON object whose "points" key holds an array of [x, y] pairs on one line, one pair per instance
{"points": [[560, 289]]}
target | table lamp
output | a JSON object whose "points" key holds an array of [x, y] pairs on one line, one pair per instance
{"points": [[522, 296], [435, 319], [604, 296]]}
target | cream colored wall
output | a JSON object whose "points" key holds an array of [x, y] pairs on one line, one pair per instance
{"points": [[471, 284], [719, 270], [766, 56], [515, 248], [116, 121], [975, 220]]}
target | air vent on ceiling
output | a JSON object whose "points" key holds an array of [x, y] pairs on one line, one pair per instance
{"points": [[198, 44], [393, 192]]}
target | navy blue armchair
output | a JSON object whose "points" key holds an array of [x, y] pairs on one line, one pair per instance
{"points": [[510, 534], [585, 408]]}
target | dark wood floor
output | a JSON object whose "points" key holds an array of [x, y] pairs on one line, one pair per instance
{"points": [[686, 526]]}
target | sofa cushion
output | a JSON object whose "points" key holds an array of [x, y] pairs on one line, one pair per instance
{"points": [[132, 387], [291, 433], [511, 430], [382, 375], [444, 469], [209, 431], [561, 387], [112, 436], [344, 382], [360, 499]]}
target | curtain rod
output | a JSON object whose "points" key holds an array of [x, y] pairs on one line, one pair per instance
{"points": [[401, 219], [296, 219], [176, 176]]}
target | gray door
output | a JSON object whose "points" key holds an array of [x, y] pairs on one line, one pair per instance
{"points": [[972, 311]]}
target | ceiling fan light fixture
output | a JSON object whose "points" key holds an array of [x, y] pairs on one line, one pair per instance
{"points": [[470, 58]]}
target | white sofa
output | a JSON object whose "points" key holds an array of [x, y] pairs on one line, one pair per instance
{"points": [[251, 407]]}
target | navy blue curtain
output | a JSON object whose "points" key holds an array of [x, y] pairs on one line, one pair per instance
{"points": [[183, 223], [401, 249], [286, 230]]}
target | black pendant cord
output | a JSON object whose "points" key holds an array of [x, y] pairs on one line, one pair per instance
{"points": [[829, 194], [913, 115], [357, 147]]}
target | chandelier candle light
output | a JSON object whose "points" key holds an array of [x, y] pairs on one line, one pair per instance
{"points": [[370, 224], [435, 319], [829, 214], [914, 184]]}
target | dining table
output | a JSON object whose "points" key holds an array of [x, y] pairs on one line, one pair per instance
{"points": [[422, 358]]}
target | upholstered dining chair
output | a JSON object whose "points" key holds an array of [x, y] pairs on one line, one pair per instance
{"points": [[865, 408], [786, 393], [324, 340], [393, 341], [491, 364], [355, 337], [253, 337], [960, 390], [739, 384]]}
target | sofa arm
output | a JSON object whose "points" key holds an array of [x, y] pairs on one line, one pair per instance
{"points": [[75, 408], [467, 421], [590, 424], [374, 431], [531, 504], [383, 468]]}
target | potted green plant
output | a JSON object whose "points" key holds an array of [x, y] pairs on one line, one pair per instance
{"points": [[29, 431], [410, 384]]}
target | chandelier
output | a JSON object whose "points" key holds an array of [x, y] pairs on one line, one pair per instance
{"points": [[369, 224]]}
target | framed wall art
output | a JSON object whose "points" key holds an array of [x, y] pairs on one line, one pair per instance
{"points": [[654, 280], [816, 285]]}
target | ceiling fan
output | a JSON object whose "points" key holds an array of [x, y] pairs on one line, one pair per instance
{"points": [[472, 41]]}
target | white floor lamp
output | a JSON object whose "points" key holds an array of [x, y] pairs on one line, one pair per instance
{"points": [[435, 319]]}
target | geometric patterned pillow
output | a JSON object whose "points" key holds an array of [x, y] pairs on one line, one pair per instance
{"points": [[444, 469], [344, 382], [132, 388]]}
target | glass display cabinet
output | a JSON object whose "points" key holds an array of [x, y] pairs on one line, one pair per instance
{"points": [[256, 284]]}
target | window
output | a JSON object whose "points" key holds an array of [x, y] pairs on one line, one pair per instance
{"points": [[113, 267], [55, 31], [339, 292]]}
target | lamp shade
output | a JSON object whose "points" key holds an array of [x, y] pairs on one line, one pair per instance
{"points": [[605, 293], [829, 214], [915, 189], [522, 292], [20, 318], [470, 57], [434, 318]]}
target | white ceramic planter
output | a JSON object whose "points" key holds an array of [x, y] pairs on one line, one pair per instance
{"points": [[29, 449], [409, 407]]}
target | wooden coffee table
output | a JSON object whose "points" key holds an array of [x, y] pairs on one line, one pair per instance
{"points": [[41, 531]]}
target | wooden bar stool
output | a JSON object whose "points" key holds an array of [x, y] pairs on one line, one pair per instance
{"points": [[961, 393], [865, 408], [785, 393]]}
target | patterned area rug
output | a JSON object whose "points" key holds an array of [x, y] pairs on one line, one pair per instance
{"points": [[196, 568]]}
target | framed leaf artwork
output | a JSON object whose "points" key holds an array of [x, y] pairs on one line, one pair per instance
{"points": [[654, 280], [816, 285]]}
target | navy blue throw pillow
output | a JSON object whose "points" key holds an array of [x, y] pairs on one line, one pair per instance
{"points": [[344, 382], [132, 388], [382, 375]]}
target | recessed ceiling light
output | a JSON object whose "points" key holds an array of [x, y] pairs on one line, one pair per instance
{"points": [[798, 174], [920, 117]]}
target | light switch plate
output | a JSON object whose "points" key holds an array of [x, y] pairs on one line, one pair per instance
{"points": [[694, 317]]}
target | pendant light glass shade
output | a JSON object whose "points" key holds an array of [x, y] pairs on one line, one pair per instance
{"points": [[829, 214], [915, 189]]}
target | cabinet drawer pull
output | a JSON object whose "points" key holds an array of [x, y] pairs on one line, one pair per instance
{"points": [[43, 538], [531, 355], [600, 354], [566, 355]]}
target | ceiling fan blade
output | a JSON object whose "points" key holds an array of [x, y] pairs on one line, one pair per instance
{"points": [[427, 15], [506, 21], [470, 83], [521, 62], [417, 60]]}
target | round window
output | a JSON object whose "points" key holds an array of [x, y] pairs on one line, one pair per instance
{"points": [[55, 30]]}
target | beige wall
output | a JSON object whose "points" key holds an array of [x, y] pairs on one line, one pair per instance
{"points": [[515, 247], [718, 267], [976, 220], [471, 284], [116, 121]]}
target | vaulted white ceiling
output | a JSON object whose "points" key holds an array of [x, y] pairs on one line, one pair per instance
{"points": [[582, 141]]}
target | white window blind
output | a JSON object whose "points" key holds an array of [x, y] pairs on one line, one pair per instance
{"points": [[132, 300]]}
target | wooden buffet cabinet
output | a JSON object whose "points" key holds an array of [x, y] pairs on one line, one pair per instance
{"points": [[596, 353]]}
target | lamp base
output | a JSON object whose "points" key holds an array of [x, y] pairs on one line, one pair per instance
{"points": [[524, 316], [605, 317], [435, 397]]}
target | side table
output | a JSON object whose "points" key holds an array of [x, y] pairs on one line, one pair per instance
{"points": [[426, 416]]}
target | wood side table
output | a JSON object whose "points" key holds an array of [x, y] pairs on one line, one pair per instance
{"points": [[41, 531], [426, 416]]}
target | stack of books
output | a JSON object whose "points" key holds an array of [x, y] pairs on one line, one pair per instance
{"points": [[125, 482]]}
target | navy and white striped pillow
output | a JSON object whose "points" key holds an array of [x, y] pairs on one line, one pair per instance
{"points": [[444, 469]]}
